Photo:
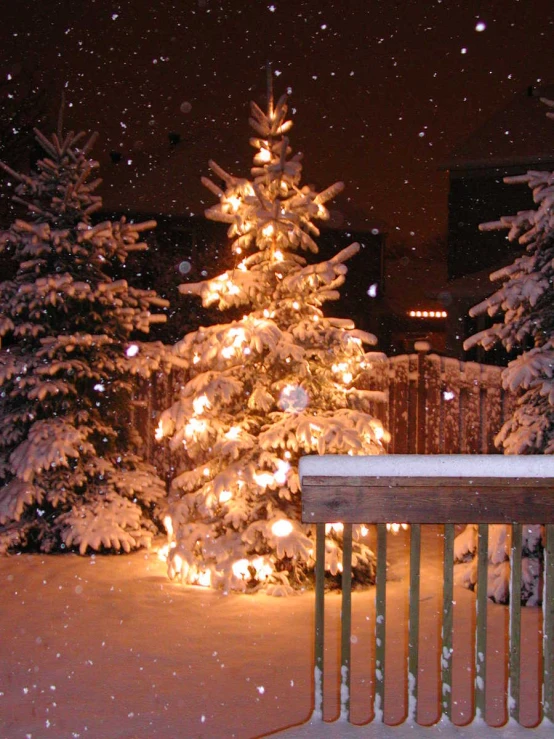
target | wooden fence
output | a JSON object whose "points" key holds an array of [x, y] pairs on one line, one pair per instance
{"points": [[436, 405], [440, 405]]}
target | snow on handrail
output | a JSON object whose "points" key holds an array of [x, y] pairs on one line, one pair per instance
{"points": [[432, 465]]}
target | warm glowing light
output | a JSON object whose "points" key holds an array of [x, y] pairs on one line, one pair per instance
{"points": [[177, 562], [281, 473], [264, 155], [204, 579], [233, 289], [244, 569], [194, 426], [379, 433], [241, 569], [287, 455], [242, 266], [234, 202], [296, 305], [268, 230], [225, 496], [227, 352], [206, 471], [163, 551], [282, 528], [233, 433], [428, 314], [263, 479], [364, 531], [278, 256], [395, 527], [337, 527], [195, 359], [262, 567], [132, 350], [99, 387], [344, 369], [238, 335], [200, 404], [159, 432], [168, 523]]}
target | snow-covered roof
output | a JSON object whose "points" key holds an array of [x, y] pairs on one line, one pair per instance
{"points": [[429, 465], [519, 134]]}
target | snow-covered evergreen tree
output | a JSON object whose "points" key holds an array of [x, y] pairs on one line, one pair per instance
{"points": [[525, 304], [70, 475], [260, 391]]}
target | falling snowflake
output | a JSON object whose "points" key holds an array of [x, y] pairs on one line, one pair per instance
{"points": [[185, 267]]}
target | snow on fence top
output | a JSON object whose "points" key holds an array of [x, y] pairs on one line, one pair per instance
{"points": [[430, 465]]}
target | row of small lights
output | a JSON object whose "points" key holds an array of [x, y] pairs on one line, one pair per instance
{"points": [[428, 314]]}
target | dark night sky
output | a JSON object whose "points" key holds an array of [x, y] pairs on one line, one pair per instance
{"points": [[383, 90]]}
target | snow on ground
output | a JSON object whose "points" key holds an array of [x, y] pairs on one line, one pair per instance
{"points": [[108, 647]]}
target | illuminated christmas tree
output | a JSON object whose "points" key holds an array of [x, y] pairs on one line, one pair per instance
{"points": [[281, 382], [70, 475]]}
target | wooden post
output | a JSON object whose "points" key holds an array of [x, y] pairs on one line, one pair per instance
{"points": [[548, 627], [380, 622], [319, 616], [515, 622], [346, 622], [413, 624], [422, 347], [447, 621], [481, 628]]}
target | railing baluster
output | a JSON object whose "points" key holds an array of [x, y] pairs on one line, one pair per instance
{"points": [[380, 623], [515, 622], [481, 628], [346, 622], [548, 625], [447, 621], [319, 617], [413, 624]]}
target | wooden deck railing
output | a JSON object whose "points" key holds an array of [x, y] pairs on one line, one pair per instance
{"points": [[441, 489]]}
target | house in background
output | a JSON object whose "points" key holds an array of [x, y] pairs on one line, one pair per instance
{"points": [[516, 139]]}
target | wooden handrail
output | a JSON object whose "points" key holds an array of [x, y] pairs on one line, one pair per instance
{"points": [[479, 489]]}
